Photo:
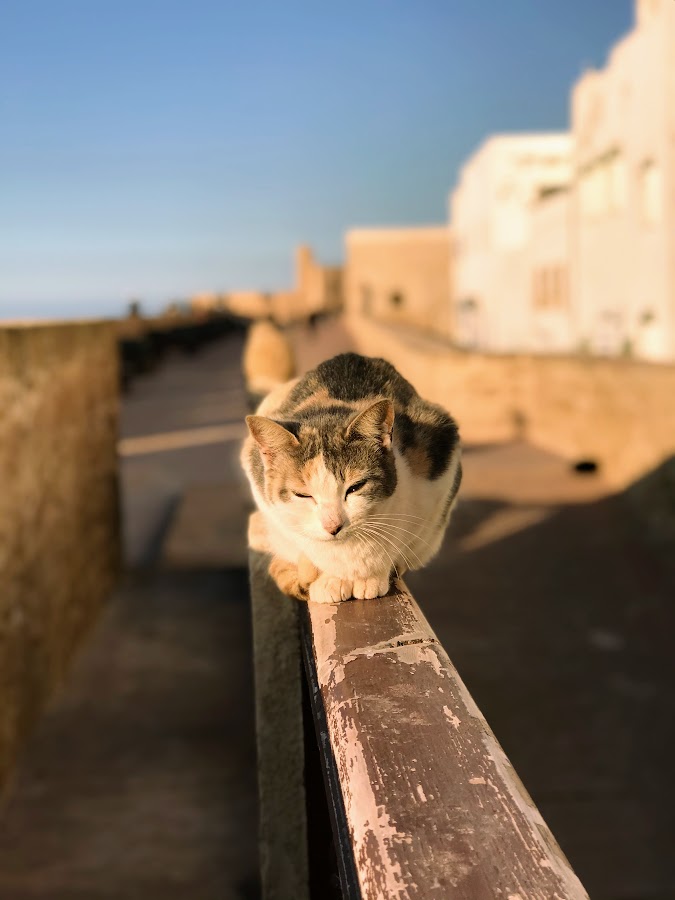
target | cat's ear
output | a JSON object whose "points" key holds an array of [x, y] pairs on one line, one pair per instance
{"points": [[271, 437], [375, 423]]}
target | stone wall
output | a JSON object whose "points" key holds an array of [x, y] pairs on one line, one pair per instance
{"points": [[59, 524], [619, 413]]}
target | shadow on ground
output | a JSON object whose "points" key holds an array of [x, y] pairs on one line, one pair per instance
{"points": [[141, 779], [560, 621]]}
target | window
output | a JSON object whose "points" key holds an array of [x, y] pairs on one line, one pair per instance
{"points": [[535, 288], [603, 185], [549, 287]]}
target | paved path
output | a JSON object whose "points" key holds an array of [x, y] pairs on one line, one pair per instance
{"points": [[140, 780], [185, 398]]}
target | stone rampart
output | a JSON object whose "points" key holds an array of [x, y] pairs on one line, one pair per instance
{"points": [[619, 413], [59, 522]]}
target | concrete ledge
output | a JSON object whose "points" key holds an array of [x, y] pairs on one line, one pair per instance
{"points": [[283, 838]]}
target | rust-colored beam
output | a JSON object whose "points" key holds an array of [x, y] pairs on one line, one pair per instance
{"points": [[432, 806]]}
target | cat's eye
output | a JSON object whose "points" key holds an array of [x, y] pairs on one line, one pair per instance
{"points": [[356, 487], [303, 496]]}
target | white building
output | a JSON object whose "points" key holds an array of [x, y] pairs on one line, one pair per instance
{"points": [[551, 323], [623, 237], [495, 213]]}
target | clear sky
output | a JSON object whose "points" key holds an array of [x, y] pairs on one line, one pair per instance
{"points": [[155, 148]]}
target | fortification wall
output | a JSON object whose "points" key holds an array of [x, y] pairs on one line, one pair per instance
{"points": [[620, 413], [59, 524]]}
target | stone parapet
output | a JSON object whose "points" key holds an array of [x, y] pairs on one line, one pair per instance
{"points": [[619, 413], [59, 516]]}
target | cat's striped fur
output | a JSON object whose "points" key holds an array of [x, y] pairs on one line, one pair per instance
{"points": [[355, 477]]}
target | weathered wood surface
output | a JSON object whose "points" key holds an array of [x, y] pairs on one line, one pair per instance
{"points": [[433, 807], [280, 738]]}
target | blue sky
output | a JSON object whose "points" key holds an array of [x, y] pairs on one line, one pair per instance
{"points": [[156, 148]]}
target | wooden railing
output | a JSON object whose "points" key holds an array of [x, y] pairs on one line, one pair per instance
{"points": [[381, 738]]}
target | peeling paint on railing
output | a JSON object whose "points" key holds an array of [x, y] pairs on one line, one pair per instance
{"points": [[433, 806]]}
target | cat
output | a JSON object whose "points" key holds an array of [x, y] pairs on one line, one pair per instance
{"points": [[355, 477]]}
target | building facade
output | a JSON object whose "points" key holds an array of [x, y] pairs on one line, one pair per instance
{"points": [[400, 275], [495, 215], [623, 238], [550, 324]]}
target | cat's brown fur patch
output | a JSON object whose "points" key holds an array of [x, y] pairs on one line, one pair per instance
{"points": [[419, 463]]}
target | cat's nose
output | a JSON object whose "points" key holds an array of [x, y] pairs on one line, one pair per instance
{"points": [[332, 521]]}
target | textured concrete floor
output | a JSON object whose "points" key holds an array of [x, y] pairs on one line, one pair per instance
{"points": [[140, 780], [185, 393]]}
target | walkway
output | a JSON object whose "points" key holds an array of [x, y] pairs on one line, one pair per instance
{"points": [[140, 780]]}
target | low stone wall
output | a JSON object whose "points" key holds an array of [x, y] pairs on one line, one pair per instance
{"points": [[619, 413], [59, 523]]}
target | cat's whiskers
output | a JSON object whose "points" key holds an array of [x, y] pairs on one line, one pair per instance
{"points": [[376, 544], [409, 516], [375, 521], [362, 542], [388, 538], [396, 540], [411, 523]]}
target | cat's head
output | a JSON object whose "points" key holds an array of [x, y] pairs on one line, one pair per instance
{"points": [[328, 474]]}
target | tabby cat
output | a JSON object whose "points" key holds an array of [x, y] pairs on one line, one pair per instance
{"points": [[355, 477]]}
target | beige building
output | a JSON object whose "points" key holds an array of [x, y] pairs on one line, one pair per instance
{"points": [[495, 212], [400, 275], [623, 246]]}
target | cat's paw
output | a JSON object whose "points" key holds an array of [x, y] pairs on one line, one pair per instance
{"points": [[329, 589], [369, 588], [307, 572], [287, 578]]}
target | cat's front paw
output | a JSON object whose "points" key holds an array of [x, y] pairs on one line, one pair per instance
{"points": [[369, 588], [287, 579], [329, 589]]}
